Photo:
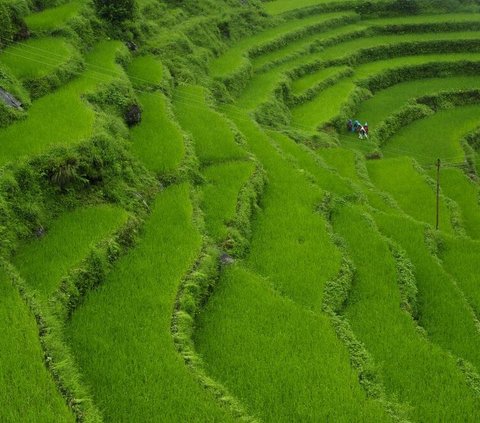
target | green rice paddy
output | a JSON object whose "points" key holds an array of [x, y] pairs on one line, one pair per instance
{"points": [[235, 56], [145, 71], [411, 367], [281, 6], [220, 194], [44, 261], [410, 189], [157, 141], [342, 302], [445, 130], [137, 374], [76, 121], [32, 395], [460, 259], [387, 102], [54, 17], [27, 61], [465, 192], [198, 119]]}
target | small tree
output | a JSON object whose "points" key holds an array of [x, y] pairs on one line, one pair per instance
{"points": [[115, 11]]}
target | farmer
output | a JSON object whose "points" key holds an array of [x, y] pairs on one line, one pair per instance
{"points": [[349, 125], [356, 126], [362, 133]]}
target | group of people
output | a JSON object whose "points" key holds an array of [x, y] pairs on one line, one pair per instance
{"points": [[356, 126]]}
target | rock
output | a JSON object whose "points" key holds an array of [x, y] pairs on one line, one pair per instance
{"points": [[226, 260], [131, 46], [133, 115], [10, 100], [22, 34]]}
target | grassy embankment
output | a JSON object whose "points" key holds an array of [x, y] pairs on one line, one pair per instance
{"points": [[121, 335], [54, 17], [412, 367], [442, 309], [27, 60], [44, 261]]}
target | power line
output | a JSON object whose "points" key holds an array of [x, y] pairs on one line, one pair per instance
{"points": [[190, 100]]}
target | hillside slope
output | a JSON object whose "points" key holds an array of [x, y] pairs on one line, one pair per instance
{"points": [[191, 230]]}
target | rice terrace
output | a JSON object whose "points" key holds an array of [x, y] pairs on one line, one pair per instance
{"points": [[239, 211]]}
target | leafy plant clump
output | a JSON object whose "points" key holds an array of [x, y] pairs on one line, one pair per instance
{"points": [[115, 11]]}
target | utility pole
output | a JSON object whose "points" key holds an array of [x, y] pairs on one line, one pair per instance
{"points": [[438, 193]]}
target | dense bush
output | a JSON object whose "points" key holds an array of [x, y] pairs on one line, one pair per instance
{"points": [[6, 26], [11, 21], [31, 192], [405, 7], [115, 11]]}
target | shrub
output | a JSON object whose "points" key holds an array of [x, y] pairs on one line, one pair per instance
{"points": [[6, 27], [115, 11], [405, 7]]}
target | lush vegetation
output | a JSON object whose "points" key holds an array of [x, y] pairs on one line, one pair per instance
{"points": [[190, 232], [44, 261]]}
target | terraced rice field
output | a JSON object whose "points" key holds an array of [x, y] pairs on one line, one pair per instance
{"points": [[75, 124], [54, 17], [190, 233]]}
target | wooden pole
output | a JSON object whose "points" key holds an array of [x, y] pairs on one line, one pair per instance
{"points": [[438, 194]]}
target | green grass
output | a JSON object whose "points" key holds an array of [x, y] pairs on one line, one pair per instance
{"points": [[304, 46], [466, 193], [308, 259], [281, 361], [259, 90], [350, 47], [386, 102], [121, 334], [410, 189], [307, 162], [70, 119], [37, 57], [220, 194], [412, 369], [342, 160], [157, 141], [42, 262], [443, 312], [212, 134], [145, 71], [301, 85], [324, 107], [436, 136], [282, 6], [234, 57], [366, 70], [263, 314], [54, 17], [28, 391], [460, 259]]}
